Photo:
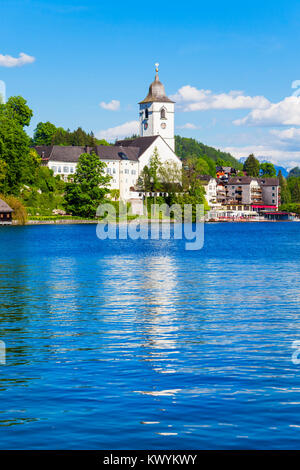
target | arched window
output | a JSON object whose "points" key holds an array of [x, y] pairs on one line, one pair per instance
{"points": [[146, 113], [163, 113]]}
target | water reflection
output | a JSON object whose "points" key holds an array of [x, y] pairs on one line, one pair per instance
{"points": [[112, 343]]}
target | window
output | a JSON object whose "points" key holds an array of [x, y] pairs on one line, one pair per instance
{"points": [[146, 113], [71, 170], [59, 169], [66, 169], [163, 113], [273, 187], [108, 171], [53, 168], [114, 170], [273, 201], [126, 171], [133, 172]]}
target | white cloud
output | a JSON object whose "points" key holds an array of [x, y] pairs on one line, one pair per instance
{"points": [[189, 98], [288, 136], [9, 61], [283, 113], [118, 132], [188, 125], [113, 105]]}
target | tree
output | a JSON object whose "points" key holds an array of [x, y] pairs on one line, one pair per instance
{"points": [[88, 188], [171, 177], [251, 166], [154, 171], [14, 151], [16, 108], [267, 170], [285, 194], [61, 137], [295, 191], [44, 133], [3, 175], [115, 194]]}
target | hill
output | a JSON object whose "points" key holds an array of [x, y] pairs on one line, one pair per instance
{"points": [[186, 147]]}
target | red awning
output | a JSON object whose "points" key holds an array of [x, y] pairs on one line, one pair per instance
{"points": [[259, 206]]}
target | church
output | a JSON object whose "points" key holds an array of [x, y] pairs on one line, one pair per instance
{"points": [[126, 159]]}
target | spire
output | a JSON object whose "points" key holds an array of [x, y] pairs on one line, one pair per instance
{"points": [[156, 91]]}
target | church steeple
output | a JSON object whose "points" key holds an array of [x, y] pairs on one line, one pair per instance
{"points": [[157, 112], [156, 91]]}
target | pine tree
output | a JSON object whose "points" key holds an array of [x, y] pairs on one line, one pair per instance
{"points": [[251, 166], [284, 189]]}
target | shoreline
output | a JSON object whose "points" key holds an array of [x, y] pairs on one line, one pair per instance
{"points": [[89, 222]]}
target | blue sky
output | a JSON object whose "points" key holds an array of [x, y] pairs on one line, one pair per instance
{"points": [[230, 65]]}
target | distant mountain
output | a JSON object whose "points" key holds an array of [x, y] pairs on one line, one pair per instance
{"points": [[284, 170]]}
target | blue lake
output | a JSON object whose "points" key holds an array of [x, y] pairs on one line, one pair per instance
{"points": [[144, 345]]}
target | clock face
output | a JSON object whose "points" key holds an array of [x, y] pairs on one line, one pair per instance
{"points": [[163, 125], [145, 125]]}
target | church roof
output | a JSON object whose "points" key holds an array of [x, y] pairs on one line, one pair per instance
{"points": [[117, 152], [142, 143], [156, 92], [122, 150]]}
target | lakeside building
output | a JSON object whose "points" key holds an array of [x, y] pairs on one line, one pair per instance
{"points": [[241, 196], [126, 159], [5, 213]]}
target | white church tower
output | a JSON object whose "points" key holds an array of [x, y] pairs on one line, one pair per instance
{"points": [[157, 113]]}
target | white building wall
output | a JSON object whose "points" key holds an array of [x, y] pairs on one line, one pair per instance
{"points": [[211, 192], [165, 154], [124, 173]]}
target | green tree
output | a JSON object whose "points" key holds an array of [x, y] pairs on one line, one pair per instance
{"points": [[267, 170], [44, 133], [88, 188], [61, 137], [155, 165], [3, 175], [251, 166], [285, 193], [14, 151], [16, 109], [295, 190]]}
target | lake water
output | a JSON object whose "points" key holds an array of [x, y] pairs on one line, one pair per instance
{"points": [[143, 345]]}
